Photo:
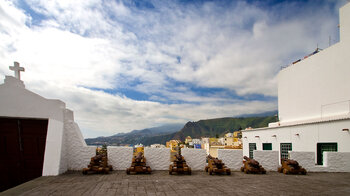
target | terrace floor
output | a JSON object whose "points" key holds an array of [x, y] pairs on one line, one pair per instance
{"points": [[199, 183]]}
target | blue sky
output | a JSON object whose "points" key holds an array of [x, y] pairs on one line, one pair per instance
{"points": [[124, 65]]}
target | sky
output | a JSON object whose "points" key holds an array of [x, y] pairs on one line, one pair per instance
{"points": [[126, 65]]}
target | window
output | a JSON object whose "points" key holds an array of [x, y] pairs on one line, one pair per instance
{"points": [[267, 146], [325, 147], [252, 146], [285, 147]]}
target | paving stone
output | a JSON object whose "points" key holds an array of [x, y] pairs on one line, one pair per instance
{"points": [[200, 183]]}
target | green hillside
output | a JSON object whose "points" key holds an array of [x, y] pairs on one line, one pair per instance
{"points": [[220, 126]]}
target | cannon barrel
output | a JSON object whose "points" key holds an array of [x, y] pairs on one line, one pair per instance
{"points": [[178, 157], [138, 157], [292, 162], [252, 162]]}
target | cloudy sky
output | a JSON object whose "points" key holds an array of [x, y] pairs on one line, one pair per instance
{"points": [[125, 65]]}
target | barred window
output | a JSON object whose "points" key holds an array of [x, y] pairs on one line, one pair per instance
{"points": [[285, 147], [252, 147]]}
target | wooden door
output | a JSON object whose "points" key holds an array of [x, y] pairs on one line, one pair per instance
{"points": [[22, 147]]}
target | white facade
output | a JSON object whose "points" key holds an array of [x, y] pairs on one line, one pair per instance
{"points": [[317, 87], [313, 101], [65, 147]]}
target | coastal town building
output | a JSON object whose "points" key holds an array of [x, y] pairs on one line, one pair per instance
{"points": [[313, 103]]}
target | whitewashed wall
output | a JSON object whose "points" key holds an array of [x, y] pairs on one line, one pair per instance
{"points": [[305, 159], [78, 153], [195, 158], [232, 158], [337, 161], [119, 157], [157, 158], [315, 87], [332, 161], [268, 159]]}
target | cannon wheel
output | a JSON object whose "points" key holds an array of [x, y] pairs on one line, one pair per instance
{"points": [[279, 169], [210, 171], [170, 169], [246, 171], [303, 172]]}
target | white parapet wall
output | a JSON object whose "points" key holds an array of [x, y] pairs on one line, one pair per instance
{"points": [[333, 161], [337, 161], [78, 153], [232, 158], [268, 159], [195, 158], [305, 159], [157, 158], [119, 157]]}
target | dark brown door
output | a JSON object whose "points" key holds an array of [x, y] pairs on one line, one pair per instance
{"points": [[22, 147]]}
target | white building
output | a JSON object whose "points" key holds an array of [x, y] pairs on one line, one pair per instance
{"points": [[38, 135], [313, 104]]}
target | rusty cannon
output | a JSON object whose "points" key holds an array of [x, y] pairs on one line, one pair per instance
{"points": [[138, 165], [290, 166], [251, 166], [216, 166], [98, 164], [179, 166]]}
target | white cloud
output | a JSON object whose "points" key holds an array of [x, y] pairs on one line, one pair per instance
{"points": [[110, 45]]}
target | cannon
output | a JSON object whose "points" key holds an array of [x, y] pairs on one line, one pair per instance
{"points": [[216, 166], [290, 166], [251, 166], [98, 164], [179, 166], [138, 165]]}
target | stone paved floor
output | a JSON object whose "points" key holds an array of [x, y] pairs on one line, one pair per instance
{"points": [[199, 183]]}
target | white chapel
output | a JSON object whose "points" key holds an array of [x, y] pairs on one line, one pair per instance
{"points": [[38, 136]]}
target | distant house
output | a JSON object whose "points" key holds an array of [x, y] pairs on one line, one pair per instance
{"points": [[173, 144], [313, 104]]}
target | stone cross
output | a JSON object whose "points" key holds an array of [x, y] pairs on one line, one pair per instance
{"points": [[17, 69]]}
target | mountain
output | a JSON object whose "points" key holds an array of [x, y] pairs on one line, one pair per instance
{"points": [[144, 136], [264, 114], [220, 126], [202, 128]]}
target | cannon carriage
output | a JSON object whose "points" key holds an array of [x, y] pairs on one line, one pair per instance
{"points": [[179, 166], [99, 163], [251, 166], [138, 165], [290, 166], [216, 166]]}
